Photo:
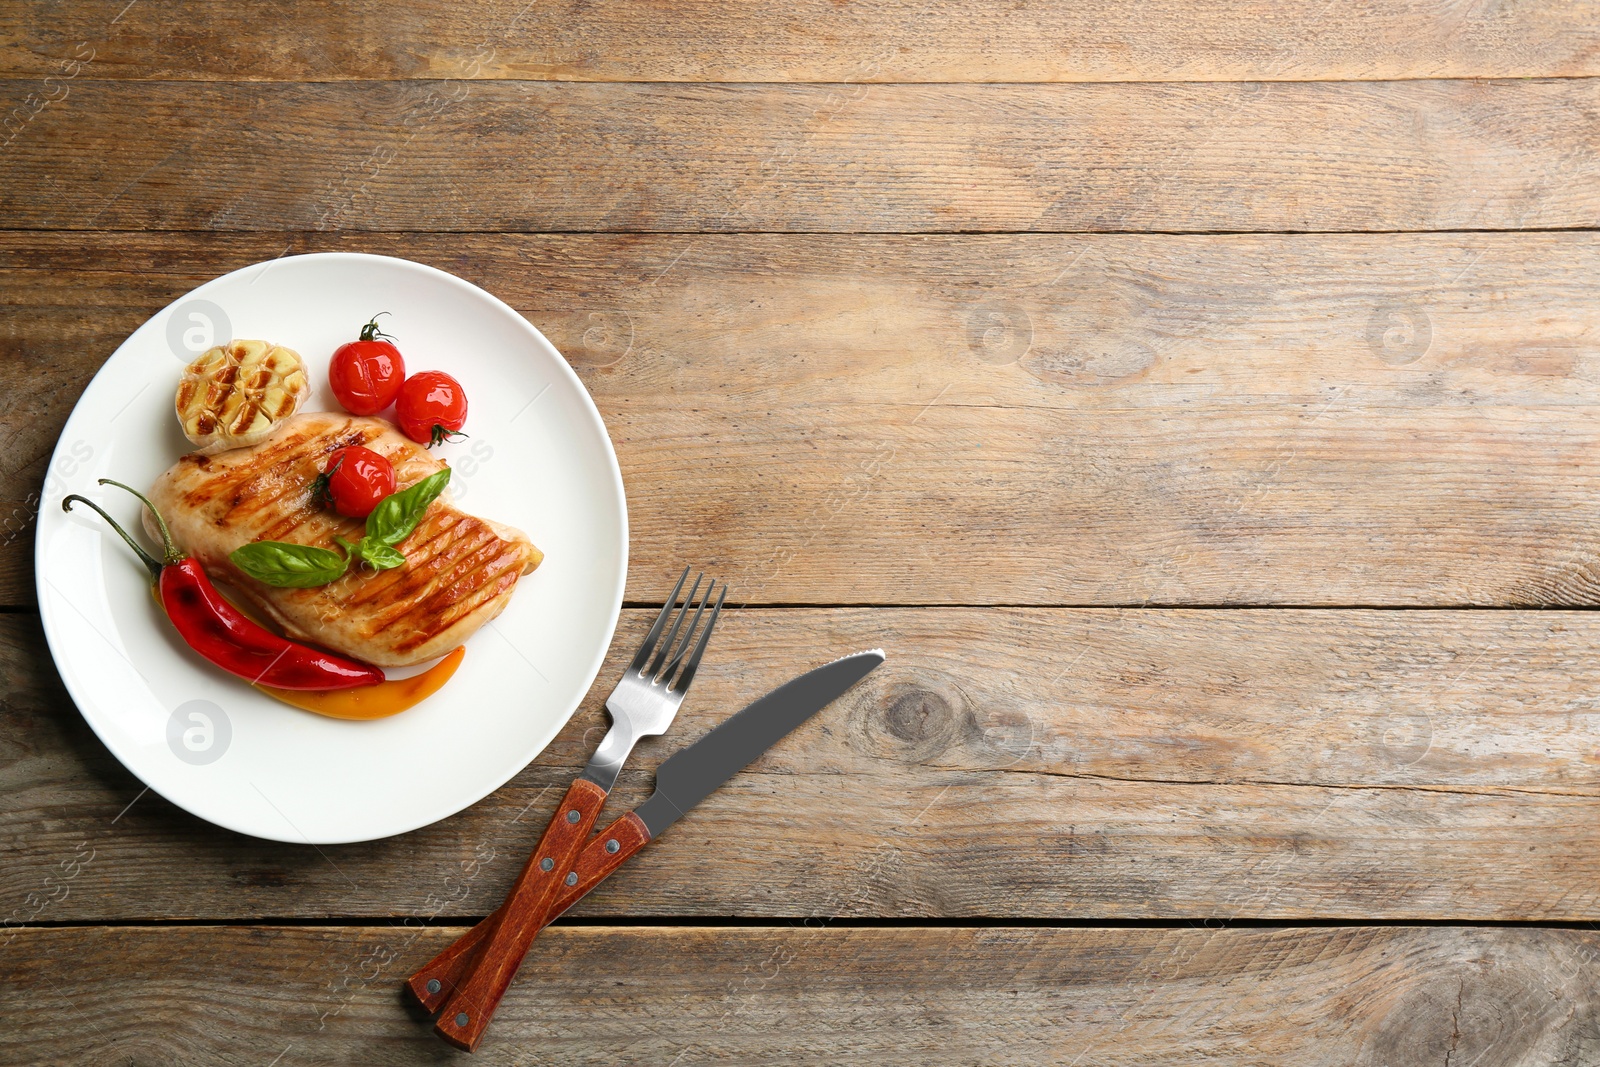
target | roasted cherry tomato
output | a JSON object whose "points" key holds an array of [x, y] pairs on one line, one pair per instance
{"points": [[355, 479], [431, 407], [367, 374]]}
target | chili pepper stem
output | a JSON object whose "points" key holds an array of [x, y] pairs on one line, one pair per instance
{"points": [[172, 553], [150, 562]]}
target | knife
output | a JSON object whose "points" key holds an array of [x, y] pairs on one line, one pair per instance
{"points": [[682, 781]]}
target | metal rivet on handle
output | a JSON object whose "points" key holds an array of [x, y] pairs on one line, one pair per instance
{"points": [[433, 985], [572, 877], [462, 1020], [573, 816], [612, 845], [546, 863]]}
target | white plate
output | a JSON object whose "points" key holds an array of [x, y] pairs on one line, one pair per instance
{"points": [[538, 458]]}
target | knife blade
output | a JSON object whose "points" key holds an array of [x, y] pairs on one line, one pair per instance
{"points": [[691, 775], [682, 781]]}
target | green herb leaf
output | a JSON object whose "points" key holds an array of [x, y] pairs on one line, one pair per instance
{"points": [[381, 556], [398, 513], [288, 566]]}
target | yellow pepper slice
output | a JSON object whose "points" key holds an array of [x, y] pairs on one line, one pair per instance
{"points": [[374, 701]]}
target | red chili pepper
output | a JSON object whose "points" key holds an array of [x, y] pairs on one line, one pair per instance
{"points": [[221, 633]]}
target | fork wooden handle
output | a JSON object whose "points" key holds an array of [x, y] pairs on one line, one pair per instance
{"points": [[433, 984], [471, 1005]]}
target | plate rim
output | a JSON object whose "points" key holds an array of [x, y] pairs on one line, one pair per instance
{"points": [[590, 411]]}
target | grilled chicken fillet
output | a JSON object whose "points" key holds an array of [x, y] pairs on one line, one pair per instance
{"points": [[459, 572]]}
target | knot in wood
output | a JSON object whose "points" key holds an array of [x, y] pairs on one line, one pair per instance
{"points": [[913, 722]]}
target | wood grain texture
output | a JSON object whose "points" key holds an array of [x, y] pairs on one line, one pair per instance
{"points": [[804, 40], [1377, 156], [1335, 997], [1032, 763], [1029, 419]]}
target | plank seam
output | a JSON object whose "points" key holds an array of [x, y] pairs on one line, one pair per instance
{"points": [[676, 83], [809, 923], [1041, 234]]}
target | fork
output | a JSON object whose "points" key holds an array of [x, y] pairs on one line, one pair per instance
{"points": [[643, 704]]}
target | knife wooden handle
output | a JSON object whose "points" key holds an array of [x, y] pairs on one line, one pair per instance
{"points": [[471, 1005], [433, 984]]}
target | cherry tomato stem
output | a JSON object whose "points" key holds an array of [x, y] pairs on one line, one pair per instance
{"points": [[370, 331]]}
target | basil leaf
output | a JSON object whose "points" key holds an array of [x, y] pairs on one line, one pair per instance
{"points": [[379, 555], [398, 513], [289, 566]]}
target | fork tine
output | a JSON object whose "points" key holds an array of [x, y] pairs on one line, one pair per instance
{"points": [[682, 684], [648, 645], [672, 635], [675, 656]]}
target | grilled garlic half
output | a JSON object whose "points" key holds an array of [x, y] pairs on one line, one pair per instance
{"points": [[232, 395]]}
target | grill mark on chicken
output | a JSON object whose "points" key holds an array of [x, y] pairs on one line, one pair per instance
{"points": [[460, 598], [410, 592], [454, 585], [428, 542], [309, 526], [247, 504]]}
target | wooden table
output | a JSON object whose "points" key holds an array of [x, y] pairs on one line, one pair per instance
{"points": [[1197, 400]]}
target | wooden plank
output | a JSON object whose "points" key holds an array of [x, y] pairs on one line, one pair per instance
{"points": [[1405, 155], [1031, 419], [1045, 763], [606, 995], [804, 40]]}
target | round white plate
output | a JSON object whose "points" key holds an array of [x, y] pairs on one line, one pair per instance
{"points": [[538, 458]]}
